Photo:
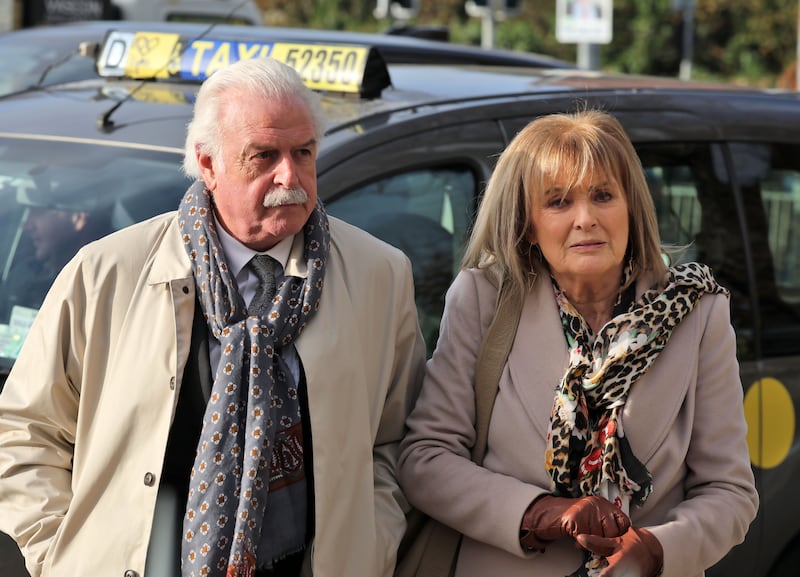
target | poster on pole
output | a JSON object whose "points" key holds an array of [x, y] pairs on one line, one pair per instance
{"points": [[584, 21]]}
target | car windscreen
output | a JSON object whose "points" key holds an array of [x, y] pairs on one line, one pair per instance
{"points": [[27, 64], [56, 197]]}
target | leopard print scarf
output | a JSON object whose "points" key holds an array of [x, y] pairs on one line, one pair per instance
{"points": [[587, 452]]}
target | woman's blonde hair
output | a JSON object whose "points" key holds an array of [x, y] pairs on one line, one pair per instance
{"points": [[569, 147]]}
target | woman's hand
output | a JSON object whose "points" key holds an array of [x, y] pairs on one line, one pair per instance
{"points": [[549, 518], [636, 553]]}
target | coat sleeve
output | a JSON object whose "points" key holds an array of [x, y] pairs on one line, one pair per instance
{"points": [[720, 495], [406, 376], [38, 420], [436, 469]]}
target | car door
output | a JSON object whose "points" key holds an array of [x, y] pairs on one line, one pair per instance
{"points": [[766, 177], [733, 205], [418, 191]]}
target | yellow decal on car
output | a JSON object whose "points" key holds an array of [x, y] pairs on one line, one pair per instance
{"points": [[770, 415]]}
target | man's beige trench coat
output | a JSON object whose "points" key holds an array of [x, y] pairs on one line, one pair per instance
{"points": [[86, 412], [684, 420]]}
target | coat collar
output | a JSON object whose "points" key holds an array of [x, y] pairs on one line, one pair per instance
{"points": [[170, 262], [540, 355]]}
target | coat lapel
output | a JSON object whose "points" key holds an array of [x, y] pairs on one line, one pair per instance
{"points": [[656, 398], [539, 356]]}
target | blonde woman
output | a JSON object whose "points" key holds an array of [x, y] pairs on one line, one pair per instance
{"points": [[616, 445]]}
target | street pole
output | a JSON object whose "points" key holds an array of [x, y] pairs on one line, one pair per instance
{"points": [[6, 15], [490, 12], [487, 30], [489, 23], [381, 9], [688, 40], [588, 56]]}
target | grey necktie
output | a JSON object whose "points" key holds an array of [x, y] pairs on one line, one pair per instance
{"points": [[264, 267]]}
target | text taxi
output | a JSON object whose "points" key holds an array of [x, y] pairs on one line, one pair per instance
{"points": [[411, 141], [168, 56]]}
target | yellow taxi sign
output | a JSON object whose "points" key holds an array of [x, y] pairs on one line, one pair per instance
{"points": [[325, 67], [155, 55]]}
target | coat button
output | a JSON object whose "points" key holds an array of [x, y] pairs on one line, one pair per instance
{"points": [[172, 383], [130, 573], [186, 290], [149, 480]]}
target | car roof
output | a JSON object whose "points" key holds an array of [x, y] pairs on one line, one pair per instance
{"points": [[412, 86], [51, 44], [132, 108]]}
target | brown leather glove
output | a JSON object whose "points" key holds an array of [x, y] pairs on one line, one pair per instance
{"points": [[636, 553], [549, 518]]}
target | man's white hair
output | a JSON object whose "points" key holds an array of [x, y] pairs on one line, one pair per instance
{"points": [[263, 77]]}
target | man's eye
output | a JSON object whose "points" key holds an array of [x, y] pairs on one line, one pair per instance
{"points": [[264, 155]]}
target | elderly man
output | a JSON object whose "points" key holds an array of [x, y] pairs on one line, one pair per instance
{"points": [[247, 354]]}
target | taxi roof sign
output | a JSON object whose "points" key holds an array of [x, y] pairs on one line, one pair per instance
{"points": [[143, 55]]}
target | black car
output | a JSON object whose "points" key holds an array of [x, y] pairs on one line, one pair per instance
{"points": [[47, 55], [410, 144]]}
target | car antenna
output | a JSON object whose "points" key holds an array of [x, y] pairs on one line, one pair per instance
{"points": [[104, 122]]}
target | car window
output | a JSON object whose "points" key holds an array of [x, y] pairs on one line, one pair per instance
{"points": [[769, 179], [58, 196], [697, 215], [426, 213], [697, 209], [27, 64]]}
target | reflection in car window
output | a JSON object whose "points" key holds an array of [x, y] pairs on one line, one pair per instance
{"points": [[693, 190], [769, 179], [427, 214], [697, 212], [58, 196], [27, 64]]}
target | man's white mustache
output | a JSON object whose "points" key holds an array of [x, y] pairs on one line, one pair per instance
{"points": [[283, 196]]}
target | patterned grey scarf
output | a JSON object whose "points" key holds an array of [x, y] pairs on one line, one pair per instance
{"points": [[247, 496]]}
